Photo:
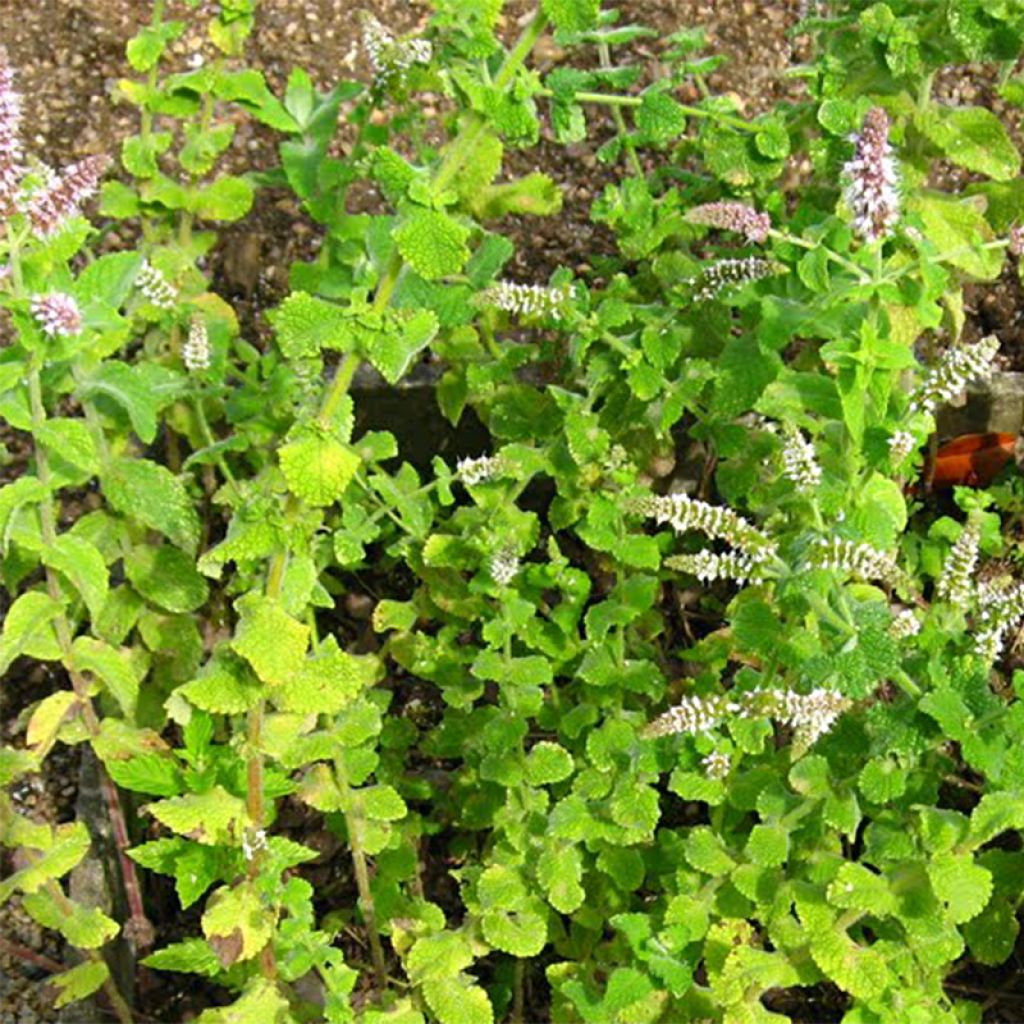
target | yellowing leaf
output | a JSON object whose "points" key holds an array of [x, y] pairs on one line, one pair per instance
{"points": [[317, 466], [270, 639], [236, 923]]}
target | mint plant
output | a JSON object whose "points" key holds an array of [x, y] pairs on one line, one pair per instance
{"points": [[684, 693]]}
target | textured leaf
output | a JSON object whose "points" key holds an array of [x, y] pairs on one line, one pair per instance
{"points": [[167, 577], [213, 817], [965, 887], [227, 686], [659, 118], [855, 887], [432, 243], [305, 325], [768, 845], [548, 762], [79, 982], [382, 803], [192, 955], [572, 15], [958, 228], [560, 871], [152, 495], [270, 639], [237, 923], [48, 717], [128, 388], [83, 565], [24, 491], [521, 933], [28, 629], [438, 956], [327, 681], [84, 927], [317, 466], [65, 848], [262, 1003], [972, 137], [147, 773], [113, 667], [228, 198], [70, 440], [393, 349], [458, 1001]]}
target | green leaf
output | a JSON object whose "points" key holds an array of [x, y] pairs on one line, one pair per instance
{"points": [[237, 923], [857, 888], [84, 927], [152, 495], [108, 280], [305, 325], [262, 1003], [154, 774], [438, 956], [768, 845], [146, 48], [227, 199], [71, 441], [705, 851], [382, 803], [659, 118], [28, 629], [393, 349], [521, 933], [270, 639], [327, 681], [559, 872], [964, 886], [227, 686], [139, 154], [432, 243], [317, 466], [458, 1001], [972, 137], [211, 818], [114, 668], [548, 762], [47, 718], [958, 227], [79, 982], [83, 565], [63, 850], [130, 390], [166, 576], [192, 955], [26, 490], [572, 15]]}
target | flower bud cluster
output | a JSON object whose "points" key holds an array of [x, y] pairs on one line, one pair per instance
{"points": [[901, 444], [732, 216], [904, 625], [195, 353], [155, 287], [722, 274], [954, 371], [11, 154], [390, 57], [871, 189], [52, 205], [526, 299], [810, 715], [481, 469], [956, 583], [504, 566], [800, 462], [1015, 241], [717, 765], [57, 314], [683, 513], [1000, 610], [860, 560], [708, 566]]}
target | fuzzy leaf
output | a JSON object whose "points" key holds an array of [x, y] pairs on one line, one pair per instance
{"points": [[28, 629], [393, 349], [262, 1003], [458, 1001], [152, 495], [213, 817], [128, 389], [83, 565], [227, 686], [965, 887], [84, 927], [432, 243], [147, 773], [192, 955], [270, 639], [113, 667], [439, 956], [317, 466], [768, 845], [572, 15], [65, 848], [79, 982], [548, 762], [228, 198], [46, 721], [70, 441], [382, 803], [559, 871], [972, 137], [327, 681], [237, 923], [305, 325], [855, 887], [167, 577]]}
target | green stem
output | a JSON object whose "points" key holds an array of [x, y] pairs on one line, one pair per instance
{"points": [[211, 441], [620, 121], [612, 100], [518, 999], [355, 821], [835, 257]]}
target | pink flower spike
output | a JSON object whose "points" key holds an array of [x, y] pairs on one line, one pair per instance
{"points": [[50, 208], [11, 154], [871, 189], [57, 314], [732, 216]]}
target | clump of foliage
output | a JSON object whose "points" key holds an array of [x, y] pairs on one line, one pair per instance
{"points": [[629, 737]]}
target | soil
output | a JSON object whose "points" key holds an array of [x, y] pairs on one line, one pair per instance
{"points": [[69, 55]]}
